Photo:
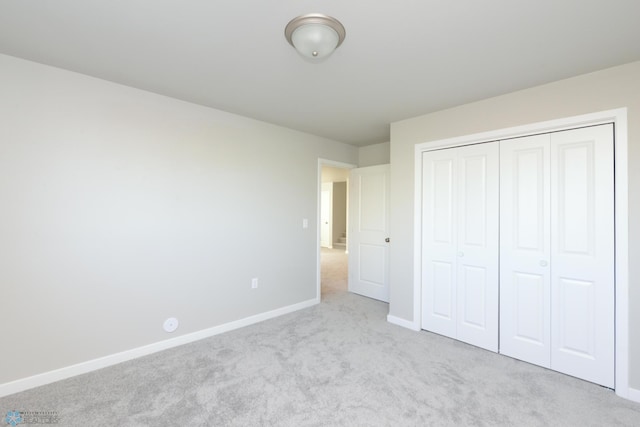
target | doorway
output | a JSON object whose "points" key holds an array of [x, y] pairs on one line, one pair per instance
{"points": [[332, 229]]}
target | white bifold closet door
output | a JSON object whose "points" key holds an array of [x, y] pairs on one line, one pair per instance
{"points": [[557, 251], [460, 243]]}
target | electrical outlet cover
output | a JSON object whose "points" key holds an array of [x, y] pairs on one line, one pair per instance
{"points": [[171, 324]]}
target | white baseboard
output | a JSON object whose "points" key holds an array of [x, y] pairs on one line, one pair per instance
{"points": [[402, 322], [634, 394], [113, 359]]}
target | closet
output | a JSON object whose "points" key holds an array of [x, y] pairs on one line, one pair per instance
{"points": [[546, 296], [460, 243]]}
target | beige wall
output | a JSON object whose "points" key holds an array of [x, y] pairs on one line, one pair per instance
{"points": [[373, 155], [121, 208], [339, 210], [334, 174], [604, 90]]}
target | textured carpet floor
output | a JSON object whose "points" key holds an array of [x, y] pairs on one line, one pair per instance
{"points": [[336, 364]]}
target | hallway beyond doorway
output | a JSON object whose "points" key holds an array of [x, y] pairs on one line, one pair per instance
{"points": [[333, 270]]}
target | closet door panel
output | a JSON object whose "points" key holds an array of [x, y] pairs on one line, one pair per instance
{"points": [[529, 323], [442, 295], [525, 249], [439, 242], [573, 330], [582, 299], [472, 301], [477, 248]]}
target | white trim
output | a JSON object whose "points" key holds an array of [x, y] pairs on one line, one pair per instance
{"points": [[113, 359], [417, 240], [622, 253], [619, 118], [414, 326], [592, 119], [328, 188], [634, 394], [335, 164]]}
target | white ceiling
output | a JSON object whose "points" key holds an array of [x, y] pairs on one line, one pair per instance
{"points": [[400, 58]]}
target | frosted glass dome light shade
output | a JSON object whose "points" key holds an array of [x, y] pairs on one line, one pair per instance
{"points": [[315, 40], [315, 36]]}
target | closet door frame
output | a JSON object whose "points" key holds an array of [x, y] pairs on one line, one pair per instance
{"points": [[619, 118]]}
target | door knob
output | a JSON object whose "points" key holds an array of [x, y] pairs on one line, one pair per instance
{"points": [[460, 254], [543, 263], [386, 240]]}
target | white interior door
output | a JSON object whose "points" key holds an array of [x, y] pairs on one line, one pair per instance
{"points": [[439, 241], [369, 232], [460, 243], [525, 249], [582, 254], [557, 288], [326, 211], [477, 245]]}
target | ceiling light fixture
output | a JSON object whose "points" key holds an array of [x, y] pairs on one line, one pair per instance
{"points": [[315, 36]]}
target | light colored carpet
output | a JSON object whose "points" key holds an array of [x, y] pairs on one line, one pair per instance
{"points": [[336, 364]]}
